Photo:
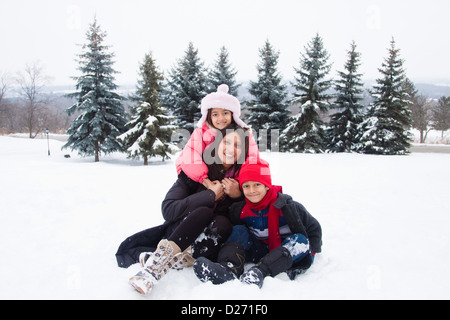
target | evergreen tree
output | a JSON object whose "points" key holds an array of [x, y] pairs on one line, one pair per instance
{"points": [[306, 130], [187, 86], [268, 110], [102, 115], [149, 132], [223, 73], [344, 124], [388, 120]]}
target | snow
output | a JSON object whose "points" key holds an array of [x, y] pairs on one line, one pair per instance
{"points": [[433, 137], [296, 248], [385, 225]]}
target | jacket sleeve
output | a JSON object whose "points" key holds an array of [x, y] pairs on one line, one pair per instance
{"points": [[235, 212], [301, 221], [313, 228], [190, 160], [182, 198]]}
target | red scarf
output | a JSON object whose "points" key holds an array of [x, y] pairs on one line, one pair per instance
{"points": [[274, 214]]}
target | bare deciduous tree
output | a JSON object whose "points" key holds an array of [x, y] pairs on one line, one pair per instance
{"points": [[441, 115], [421, 115], [4, 106], [31, 84], [3, 85], [3, 88]]}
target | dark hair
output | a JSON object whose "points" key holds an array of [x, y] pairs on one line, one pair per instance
{"points": [[209, 120], [215, 169]]}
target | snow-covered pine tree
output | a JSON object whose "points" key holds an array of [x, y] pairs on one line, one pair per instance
{"points": [[186, 87], [305, 131], [388, 120], [102, 115], [223, 73], [149, 131], [344, 124], [268, 110]]}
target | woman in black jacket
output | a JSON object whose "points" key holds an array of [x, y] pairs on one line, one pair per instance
{"points": [[196, 215]]}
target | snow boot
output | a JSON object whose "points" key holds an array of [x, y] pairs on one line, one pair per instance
{"points": [[273, 263], [183, 259], [143, 257], [156, 266], [180, 261], [206, 270], [229, 265]]}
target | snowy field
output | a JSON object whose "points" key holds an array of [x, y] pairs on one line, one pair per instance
{"points": [[385, 222]]}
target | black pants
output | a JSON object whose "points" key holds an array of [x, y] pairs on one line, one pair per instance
{"points": [[203, 230]]}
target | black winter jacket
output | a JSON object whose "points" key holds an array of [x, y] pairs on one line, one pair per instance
{"points": [[182, 198], [296, 215], [186, 195]]}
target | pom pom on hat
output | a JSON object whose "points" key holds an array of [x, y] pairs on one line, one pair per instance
{"points": [[259, 172], [223, 88], [221, 99]]}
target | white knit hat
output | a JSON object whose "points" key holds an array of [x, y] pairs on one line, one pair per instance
{"points": [[221, 99]]}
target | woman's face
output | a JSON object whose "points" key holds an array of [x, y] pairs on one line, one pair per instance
{"points": [[230, 149]]}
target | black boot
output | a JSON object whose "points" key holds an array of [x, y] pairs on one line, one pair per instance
{"points": [[276, 261], [229, 265]]}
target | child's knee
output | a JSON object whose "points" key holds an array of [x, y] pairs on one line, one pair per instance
{"points": [[241, 235], [298, 246]]}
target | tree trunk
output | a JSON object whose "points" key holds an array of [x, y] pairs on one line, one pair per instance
{"points": [[96, 152]]}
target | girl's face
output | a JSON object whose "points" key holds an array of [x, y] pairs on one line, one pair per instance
{"points": [[220, 118], [254, 191], [230, 149]]}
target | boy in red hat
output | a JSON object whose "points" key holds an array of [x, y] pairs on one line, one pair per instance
{"points": [[271, 230]]}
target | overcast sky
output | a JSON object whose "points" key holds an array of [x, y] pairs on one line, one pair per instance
{"points": [[51, 30]]}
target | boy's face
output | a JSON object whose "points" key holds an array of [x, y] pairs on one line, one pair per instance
{"points": [[220, 118], [254, 191]]}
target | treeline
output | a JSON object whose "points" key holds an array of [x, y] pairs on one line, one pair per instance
{"points": [[31, 109], [328, 111]]}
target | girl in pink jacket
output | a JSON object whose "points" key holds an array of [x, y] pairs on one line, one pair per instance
{"points": [[219, 110]]}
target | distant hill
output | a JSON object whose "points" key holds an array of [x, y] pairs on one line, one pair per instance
{"points": [[430, 90], [433, 90]]}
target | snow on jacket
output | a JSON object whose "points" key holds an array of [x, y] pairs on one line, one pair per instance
{"points": [[190, 160], [294, 215]]}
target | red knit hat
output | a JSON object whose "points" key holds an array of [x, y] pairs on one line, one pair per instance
{"points": [[259, 172]]}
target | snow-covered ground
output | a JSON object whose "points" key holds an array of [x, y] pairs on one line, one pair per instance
{"points": [[385, 222]]}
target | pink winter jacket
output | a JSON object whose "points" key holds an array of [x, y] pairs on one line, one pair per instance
{"points": [[190, 159]]}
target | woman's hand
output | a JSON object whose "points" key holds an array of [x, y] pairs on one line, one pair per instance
{"points": [[207, 183], [231, 187], [216, 187]]}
